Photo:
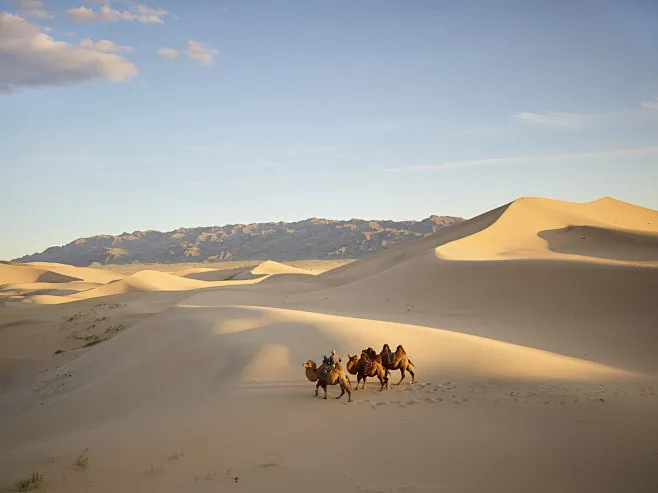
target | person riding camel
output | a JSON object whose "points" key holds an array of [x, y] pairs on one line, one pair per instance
{"points": [[333, 360]]}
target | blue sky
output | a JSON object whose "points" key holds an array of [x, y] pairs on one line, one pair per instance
{"points": [[122, 116]]}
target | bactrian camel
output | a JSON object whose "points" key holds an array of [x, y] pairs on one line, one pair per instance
{"points": [[337, 376], [397, 361], [364, 367]]}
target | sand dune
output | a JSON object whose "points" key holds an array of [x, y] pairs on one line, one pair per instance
{"points": [[603, 243], [614, 233], [21, 273], [83, 273], [35, 288], [267, 268], [46, 272], [536, 373]]}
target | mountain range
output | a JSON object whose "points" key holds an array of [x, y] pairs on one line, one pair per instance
{"points": [[308, 239]]}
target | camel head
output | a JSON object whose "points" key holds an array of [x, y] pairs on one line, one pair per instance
{"points": [[310, 364]]}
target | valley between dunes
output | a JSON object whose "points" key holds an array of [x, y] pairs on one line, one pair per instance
{"points": [[533, 329]]}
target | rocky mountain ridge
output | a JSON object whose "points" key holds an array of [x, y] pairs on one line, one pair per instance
{"points": [[308, 239]]}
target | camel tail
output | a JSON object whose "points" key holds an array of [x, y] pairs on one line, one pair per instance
{"points": [[410, 363]]}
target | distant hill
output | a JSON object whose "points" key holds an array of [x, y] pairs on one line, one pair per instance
{"points": [[309, 239]]}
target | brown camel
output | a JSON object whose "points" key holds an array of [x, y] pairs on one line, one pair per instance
{"points": [[397, 361], [372, 354], [364, 368], [337, 376]]}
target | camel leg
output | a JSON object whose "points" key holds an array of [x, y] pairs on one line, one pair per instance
{"points": [[401, 371], [316, 388], [413, 377], [324, 387], [364, 382], [345, 387], [358, 381], [381, 380]]}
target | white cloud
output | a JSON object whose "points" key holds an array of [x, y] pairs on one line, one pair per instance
{"points": [[147, 15], [105, 46], [31, 8], [140, 13], [31, 58], [168, 52], [651, 105], [201, 51], [563, 121], [546, 158]]}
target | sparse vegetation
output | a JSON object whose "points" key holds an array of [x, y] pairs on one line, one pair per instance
{"points": [[32, 483], [153, 470], [82, 461], [74, 317], [114, 329], [94, 339], [270, 464], [59, 351], [92, 342], [176, 456]]}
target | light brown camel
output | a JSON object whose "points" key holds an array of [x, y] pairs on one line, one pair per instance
{"points": [[364, 367], [337, 376], [397, 361]]}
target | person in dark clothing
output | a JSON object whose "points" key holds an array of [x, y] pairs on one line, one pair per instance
{"points": [[332, 360]]}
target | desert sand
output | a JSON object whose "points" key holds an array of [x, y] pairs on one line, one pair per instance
{"points": [[532, 329]]}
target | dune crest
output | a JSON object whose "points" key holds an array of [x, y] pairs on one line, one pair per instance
{"points": [[602, 231]]}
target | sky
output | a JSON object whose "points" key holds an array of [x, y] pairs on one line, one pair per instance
{"points": [[122, 116]]}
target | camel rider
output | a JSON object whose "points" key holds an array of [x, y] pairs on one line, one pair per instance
{"points": [[332, 360]]}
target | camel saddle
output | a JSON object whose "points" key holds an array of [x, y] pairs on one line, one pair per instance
{"points": [[325, 370], [368, 365]]}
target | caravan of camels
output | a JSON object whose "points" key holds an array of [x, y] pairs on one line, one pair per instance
{"points": [[369, 364]]}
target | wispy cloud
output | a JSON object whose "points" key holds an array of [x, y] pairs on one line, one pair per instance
{"points": [[31, 58], [31, 8], [545, 158], [202, 52], [139, 13], [168, 52], [562, 121], [105, 46], [651, 104]]}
